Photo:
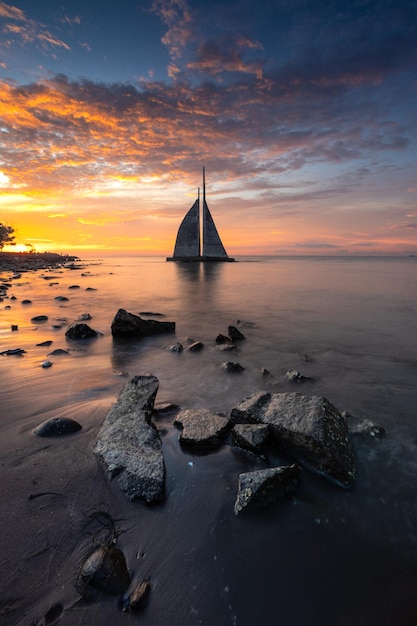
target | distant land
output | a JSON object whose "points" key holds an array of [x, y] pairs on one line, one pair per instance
{"points": [[26, 261]]}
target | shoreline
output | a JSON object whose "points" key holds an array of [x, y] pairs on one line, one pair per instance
{"points": [[28, 261]]}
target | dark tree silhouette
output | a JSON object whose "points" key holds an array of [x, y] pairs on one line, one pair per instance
{"points": [[6, 235]]}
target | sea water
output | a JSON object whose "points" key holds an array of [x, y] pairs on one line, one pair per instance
{"points": [[323, 556]]}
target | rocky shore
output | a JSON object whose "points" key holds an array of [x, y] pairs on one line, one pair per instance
{"points": [[30, 261]]}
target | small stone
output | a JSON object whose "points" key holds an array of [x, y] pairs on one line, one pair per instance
{"points": [[57, 426], [233, 368], [176, 347], [197, 346], [47, 364], [80, 331], [235, 334], [39, 318]]}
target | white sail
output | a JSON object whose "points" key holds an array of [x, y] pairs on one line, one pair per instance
{"points": [[187, 243], [212, 244]]}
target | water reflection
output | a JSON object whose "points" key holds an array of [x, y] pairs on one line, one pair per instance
{"points": [[194, 271]]}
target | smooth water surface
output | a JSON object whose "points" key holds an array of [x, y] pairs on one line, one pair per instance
{"points": [[323, 557]]}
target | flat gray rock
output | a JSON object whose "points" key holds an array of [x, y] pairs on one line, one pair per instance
{"points": [[309, 428], [201, 428], [265, 486], [129, 447]]}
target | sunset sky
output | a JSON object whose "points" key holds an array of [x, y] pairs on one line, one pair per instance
{"points": [[304, 113]]}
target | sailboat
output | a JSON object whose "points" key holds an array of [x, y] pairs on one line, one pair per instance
{"points": [[190, 245]]}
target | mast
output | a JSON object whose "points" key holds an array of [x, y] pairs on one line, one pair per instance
{"points": [[212, 244]]}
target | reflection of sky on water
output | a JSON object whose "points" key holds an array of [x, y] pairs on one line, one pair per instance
{"points": [[199, 283]]}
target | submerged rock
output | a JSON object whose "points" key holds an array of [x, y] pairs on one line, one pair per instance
{"points": [[57, 426], [201, 428], [309, 428], [359, 426], [220, 339], [265, 486], [39, 318], [196, 346], [129, 447], [13, 352], [235, 334], [80, 331], [294, 376], [175, 347], [127, 324], [232, 367]]}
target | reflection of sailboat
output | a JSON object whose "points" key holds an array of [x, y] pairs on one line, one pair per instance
{"points": [[189, 246]]}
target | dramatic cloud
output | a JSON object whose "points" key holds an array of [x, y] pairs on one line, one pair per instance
{"points": [[17, 26], [300, 112]]}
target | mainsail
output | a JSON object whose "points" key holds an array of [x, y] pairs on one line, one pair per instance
{"points": [[188, 237], [189, 246]]}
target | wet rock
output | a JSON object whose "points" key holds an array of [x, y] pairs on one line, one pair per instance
{"points": [[232, 367], [309, 428], [136, 596], [201, 428], [222, 339], [265, 486], [46, 364], [175, 347], [13, 352], [196, 346], [250, 436], [127, 324], [57, 426], [57, 352], [358, 426], [74, 287], [294, 376], [49, 342], [26, 301], [39, 318], [151, 314], [235, 334], [106, 569], [128, 445], [14, 327], [80, 331], [61, 299], [84, 317], [91, 289]]}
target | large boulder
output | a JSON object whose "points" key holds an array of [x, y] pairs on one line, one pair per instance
{"points": [[201, 428], [127, 324], [250, 436], [263, 487], [309, 428], [129, 446]]}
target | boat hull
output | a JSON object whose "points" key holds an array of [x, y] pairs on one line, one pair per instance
{"points": [[200, 259]]}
